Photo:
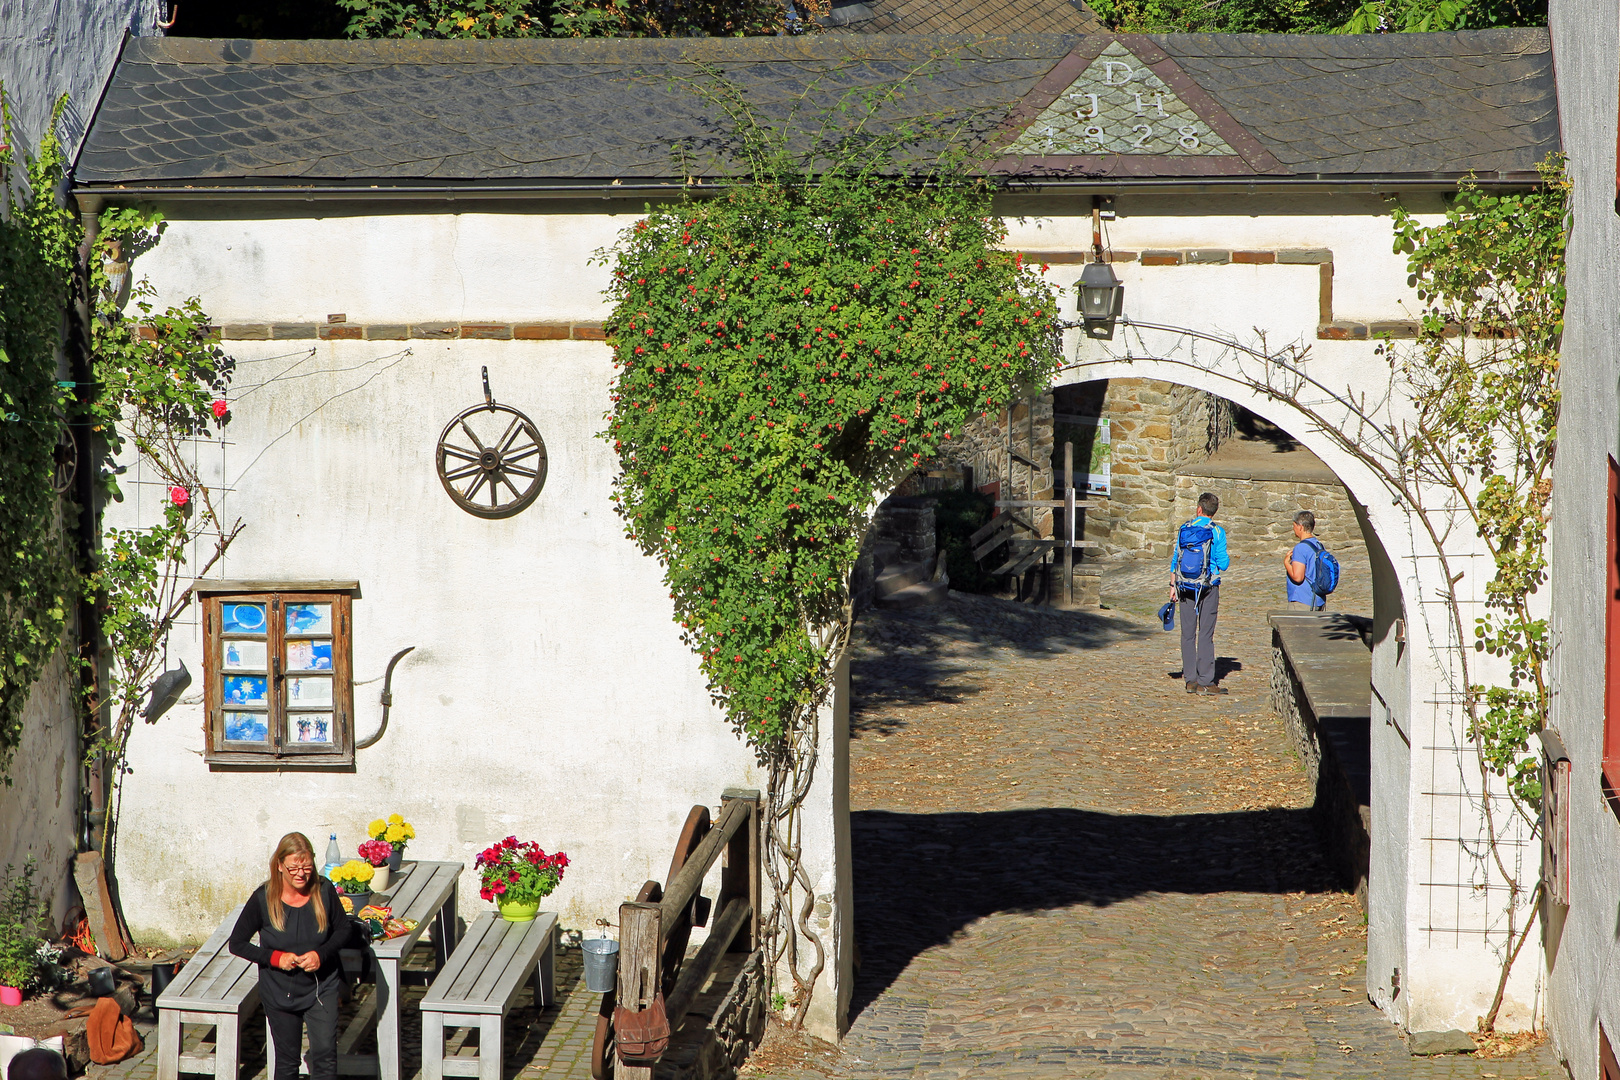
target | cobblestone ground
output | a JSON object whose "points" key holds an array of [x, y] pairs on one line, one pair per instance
{"points": [[553, 1043], [1066, 866]]}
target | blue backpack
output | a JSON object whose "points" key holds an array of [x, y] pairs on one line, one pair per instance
{"points": [[1194, 567], [1325, 574]]}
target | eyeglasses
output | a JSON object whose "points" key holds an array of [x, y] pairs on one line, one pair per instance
{"points": [[291, 868]]}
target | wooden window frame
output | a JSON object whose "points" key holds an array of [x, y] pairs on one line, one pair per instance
{"points": [[1611, 637], [280, 751]]}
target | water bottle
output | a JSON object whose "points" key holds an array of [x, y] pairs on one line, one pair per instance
{"points": [[334, 857]]}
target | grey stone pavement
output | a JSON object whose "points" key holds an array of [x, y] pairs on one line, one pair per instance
{"points": [[1065, 866]]}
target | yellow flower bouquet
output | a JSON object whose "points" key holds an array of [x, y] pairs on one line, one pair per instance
{"points": [[353, 876], [395, 831]]}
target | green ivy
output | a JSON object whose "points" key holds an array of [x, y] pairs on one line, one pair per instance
{"points": [[564, 18], [788, 350], [1486, 407], [37, 580]]}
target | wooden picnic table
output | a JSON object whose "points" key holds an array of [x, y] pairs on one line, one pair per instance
{"points": [[217, 986]]}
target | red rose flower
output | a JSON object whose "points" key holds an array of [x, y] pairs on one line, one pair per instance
{"points": [[221, 407], [179, 495]]}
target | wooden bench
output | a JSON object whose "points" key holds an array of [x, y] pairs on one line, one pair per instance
{"points": [[477, 987], [216, 989]]}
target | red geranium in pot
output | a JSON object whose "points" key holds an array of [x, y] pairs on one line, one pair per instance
{"points": [[517, 875]]}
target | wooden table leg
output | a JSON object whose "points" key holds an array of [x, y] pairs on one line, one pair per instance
{"points": [[491, 1032], [432, 1046], [227, 1047], [388, 987], [169, 1036], [545, 974]]}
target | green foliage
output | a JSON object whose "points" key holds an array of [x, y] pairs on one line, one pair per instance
{"points": [[1487, 422], [561, 18], [787, 351], [1315, 16], [957, 516], [37, 243], [24, 921]]}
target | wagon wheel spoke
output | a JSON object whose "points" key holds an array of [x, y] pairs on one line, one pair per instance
{"points": [[464, 472], [464, 455], [528, 451], [473, 435], [519, 470], [516, 494], [476, 484], [512, 431]]}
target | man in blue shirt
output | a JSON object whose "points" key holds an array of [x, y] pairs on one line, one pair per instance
{"points": [[1300, 565], [1199, 607]]}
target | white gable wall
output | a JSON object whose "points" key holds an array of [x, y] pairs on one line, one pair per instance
{"points": [[550, 695]]}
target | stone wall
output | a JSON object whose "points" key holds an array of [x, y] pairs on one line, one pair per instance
{"points": [[982, 446], [1258, 514], [705, 1049], [1156, 428]]}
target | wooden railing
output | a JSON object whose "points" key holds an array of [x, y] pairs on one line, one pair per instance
{"points": [[654, 929], [1025, 551]]}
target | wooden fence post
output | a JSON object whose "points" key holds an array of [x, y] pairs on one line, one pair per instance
{"points": [[1068, 524], [739, 873], [640, 974]]}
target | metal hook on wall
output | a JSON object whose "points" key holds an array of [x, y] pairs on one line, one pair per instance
{"points": [[174, 15], [387, 699]]}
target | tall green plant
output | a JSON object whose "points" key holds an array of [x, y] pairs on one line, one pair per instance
{"points": [[787, 350], [24, 925], [37, 583]]}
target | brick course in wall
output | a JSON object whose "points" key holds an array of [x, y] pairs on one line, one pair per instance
{"points": [[342, 330]]}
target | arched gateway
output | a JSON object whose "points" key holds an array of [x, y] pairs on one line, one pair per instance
{"points": [[370, 224]]}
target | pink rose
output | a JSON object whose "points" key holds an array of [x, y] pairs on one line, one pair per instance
{"points": [[221, 407], [179, 495]]}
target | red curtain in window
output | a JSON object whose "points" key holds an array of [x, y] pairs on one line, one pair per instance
{"points": [[1611, 673]]}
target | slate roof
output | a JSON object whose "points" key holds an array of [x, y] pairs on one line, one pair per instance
{"points": [[963, 17], [191, 115]]}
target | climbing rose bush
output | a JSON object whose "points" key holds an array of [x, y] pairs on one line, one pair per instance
{"points": [[787, 352]]}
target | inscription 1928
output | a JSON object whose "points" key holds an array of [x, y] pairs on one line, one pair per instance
{"points": [[1119, 106]]}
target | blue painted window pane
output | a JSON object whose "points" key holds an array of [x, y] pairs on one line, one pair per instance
{"points": [[246, 727], [309, 618], [245, 689], [310, 727], [243, 618], [309, 656]]}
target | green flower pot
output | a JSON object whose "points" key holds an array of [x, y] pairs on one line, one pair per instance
{"points": [[512, 911]]}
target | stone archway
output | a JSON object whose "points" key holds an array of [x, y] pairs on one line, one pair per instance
{"points": [[1430, 961]]}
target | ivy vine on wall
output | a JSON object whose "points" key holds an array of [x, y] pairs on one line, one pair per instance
{"points": [[37, 581], [787, 351]]}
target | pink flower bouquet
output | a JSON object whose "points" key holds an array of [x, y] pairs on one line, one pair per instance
{"points": [[376, 852]]}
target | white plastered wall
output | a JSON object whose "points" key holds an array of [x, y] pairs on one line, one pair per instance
{"points": [[549, 694], [1583, 941]]}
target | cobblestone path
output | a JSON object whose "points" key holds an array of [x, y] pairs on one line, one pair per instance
{"points": [[1066, 866]]}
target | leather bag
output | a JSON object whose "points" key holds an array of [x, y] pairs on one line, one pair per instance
{"points": [[641, 1036], [111, 1034]]}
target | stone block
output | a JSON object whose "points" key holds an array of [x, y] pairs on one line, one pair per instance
{"points": [[1209, 256], [435, 330], [1342, 331], [1254, 257], [1396, 328], [342, 332], [294, 331], [1305, 256], [589, 332], [487, 331], [388, 332], [540, 331], [1161, 258], [1156, 430], [246, 331], [1429, 1043]]}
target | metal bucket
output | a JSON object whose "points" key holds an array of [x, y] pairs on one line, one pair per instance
{"points": [[601, 964], [162, 976]]}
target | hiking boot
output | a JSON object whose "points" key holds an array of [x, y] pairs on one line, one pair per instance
{"points": [[1192, 688], [1212, 690]]}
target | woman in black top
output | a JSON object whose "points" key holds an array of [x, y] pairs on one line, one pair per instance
{"points": [[301, 926]]}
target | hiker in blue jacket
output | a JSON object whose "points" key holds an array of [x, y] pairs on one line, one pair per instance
{"points": [[1200, 558], [1300, 565]]}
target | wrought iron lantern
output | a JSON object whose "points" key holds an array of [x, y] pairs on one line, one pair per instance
{"points": [[1101, 299]]}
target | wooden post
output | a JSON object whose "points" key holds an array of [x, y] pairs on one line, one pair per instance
{"points": [[640, 976], [1068, 524], [739, 872]]}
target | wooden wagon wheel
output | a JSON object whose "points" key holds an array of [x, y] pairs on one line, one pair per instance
{"points": [[603, 1047]]}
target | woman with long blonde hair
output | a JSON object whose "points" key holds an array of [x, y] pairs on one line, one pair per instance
{"points": [[301, 926]]}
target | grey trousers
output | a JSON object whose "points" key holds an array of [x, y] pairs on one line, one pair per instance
{"points": [[1198, 636]]}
